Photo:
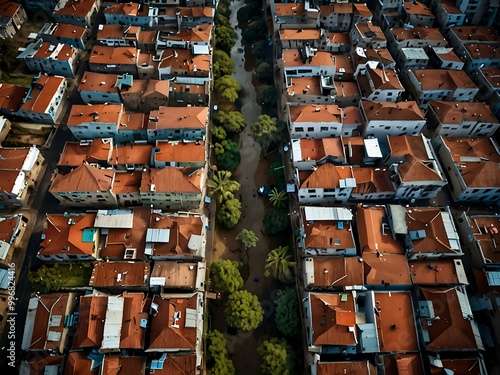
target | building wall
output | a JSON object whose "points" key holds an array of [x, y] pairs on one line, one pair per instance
{"points": [[100, 97], [114, 69], [172, 200], [53, 109], [87, 199], [315, 130], [94, 130], [383, 128]]}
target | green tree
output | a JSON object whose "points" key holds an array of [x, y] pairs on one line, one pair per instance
{"points": [[223, 65], [262, 50], [264, 72], [267, 130], [8, 54], [226, 276], [243, 310], [276, 220], [277, 170], [217, 354], [249, 12], [248, 238], [227, 87], [268, 96], [276, 357], [287, 315], [224, 38], [233, 122], [257, 30], [220, 17], [229, 213], [218, 133], [228, 154], [222, 186], [279, 199], [279, 264]]}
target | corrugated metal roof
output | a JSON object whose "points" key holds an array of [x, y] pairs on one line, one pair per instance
{"points": [[114, 219], [450, 231], [398, 219], [327, 213], [158, 235], [190, 318], [113, 323]]}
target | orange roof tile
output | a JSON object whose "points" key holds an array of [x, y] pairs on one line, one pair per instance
{"points": [[84, 178], [489, 239], [73, 154], [176, 274], [178, 364], [132, 334], [92, 315], [351, 367], [337, 271], [180, 151], [317, 149], [386, 269], [131, 9], [75, 8], [414, 169], [304, 85], [468, 33], [403, 364], [200, 33], [315, 113], [300, 34], [417, 8], [9, 8], [114, 364], [408, 111], [47, 51], [9, 179], [332, 316], [352, 114], [371, 237], [78, 364], [463, 148], [133, 274], [372, 180], [442, 79], [172, 180], [452, 330], [133, 121], [100, 150], [126, 183], [459, 366], [289, 9], [437, 271], [64, 235], [11, 96], [138, 154], [326, 176], [385, 79], [395, 322], [292, 58], [169, 118], [39, 362], [7, 227], [13, 157], [184, 60], [492, 75], [368, 28], [43, 91], [95, 113], [114, 55], [163, 334], [458, 112], [402, 145], [325, 234], [99, 82], [64, 30]]}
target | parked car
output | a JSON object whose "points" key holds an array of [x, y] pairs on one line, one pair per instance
{"points": [[264, 190]]}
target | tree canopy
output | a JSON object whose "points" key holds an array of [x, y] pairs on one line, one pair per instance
{"points": [[287, 315], [226, 276], [248, 238], [276, 220], [267, 130], [218, 133], [276, 357], [279, 199], [243, 310], [227, 87], [249, 12], [217, 354], [233, 121], [223, 65], [279, 264], [222, 186], [8, 54], [228, 154], [229, 213], [224, 38], [257, 30], [264, 72]]}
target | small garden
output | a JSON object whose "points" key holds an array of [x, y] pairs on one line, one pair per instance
{"points": [[51, 278]]}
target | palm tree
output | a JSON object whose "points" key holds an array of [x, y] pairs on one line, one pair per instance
{"points": [[279, 199], [222, 187], [279, 263]]}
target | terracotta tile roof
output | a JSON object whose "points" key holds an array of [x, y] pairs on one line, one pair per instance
{"points": [[178, 364], [372, 180], [200, 33], [114, 55], [436, 271], [84, 178], [95, 113], [292, 58], [43, 91], [300, 34], [184, 60], [184, 87], [99, 82], [13, 158], [450, 7], [114, 364], [441, 79], [181, 230], [138, 154], [172, 180], [73, 154], [351, 367], [9, 179], [326, 176], [39, 362], [471, 33], [7, 227], [382, 55], [482, 284], [431, 221], [132, 334], [401, 111], [11, 96], [416, 7], [403, 364], [49, 306], [368, 28], [481, 175], [462, 149], [120, 239], [315, 113], [347, 89], [79, 364], [483, 51], [489, 239], [47, 51], [169, 118], [326, 10], [371, 237], [402, 145], [395, 322], [196, 12], [344, 62], [446, 54], [332, 316], [414, 169], [462, 366], [339, 38], [352, 114], [9, 8], [492, 75], [132, 274], [164, 335], [355, 149], [92, 315], [452, 330], [385, 79], [131, 9], [386, 269], [177, 274], [64, 30], [133, 121], [180, 151], [289, 9], [325, 234], [64, 237], [126, 183], [317, 149], [304, 85], [336, 272], [362, 9], [100, 150], [75, 8], [148, 36]]}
